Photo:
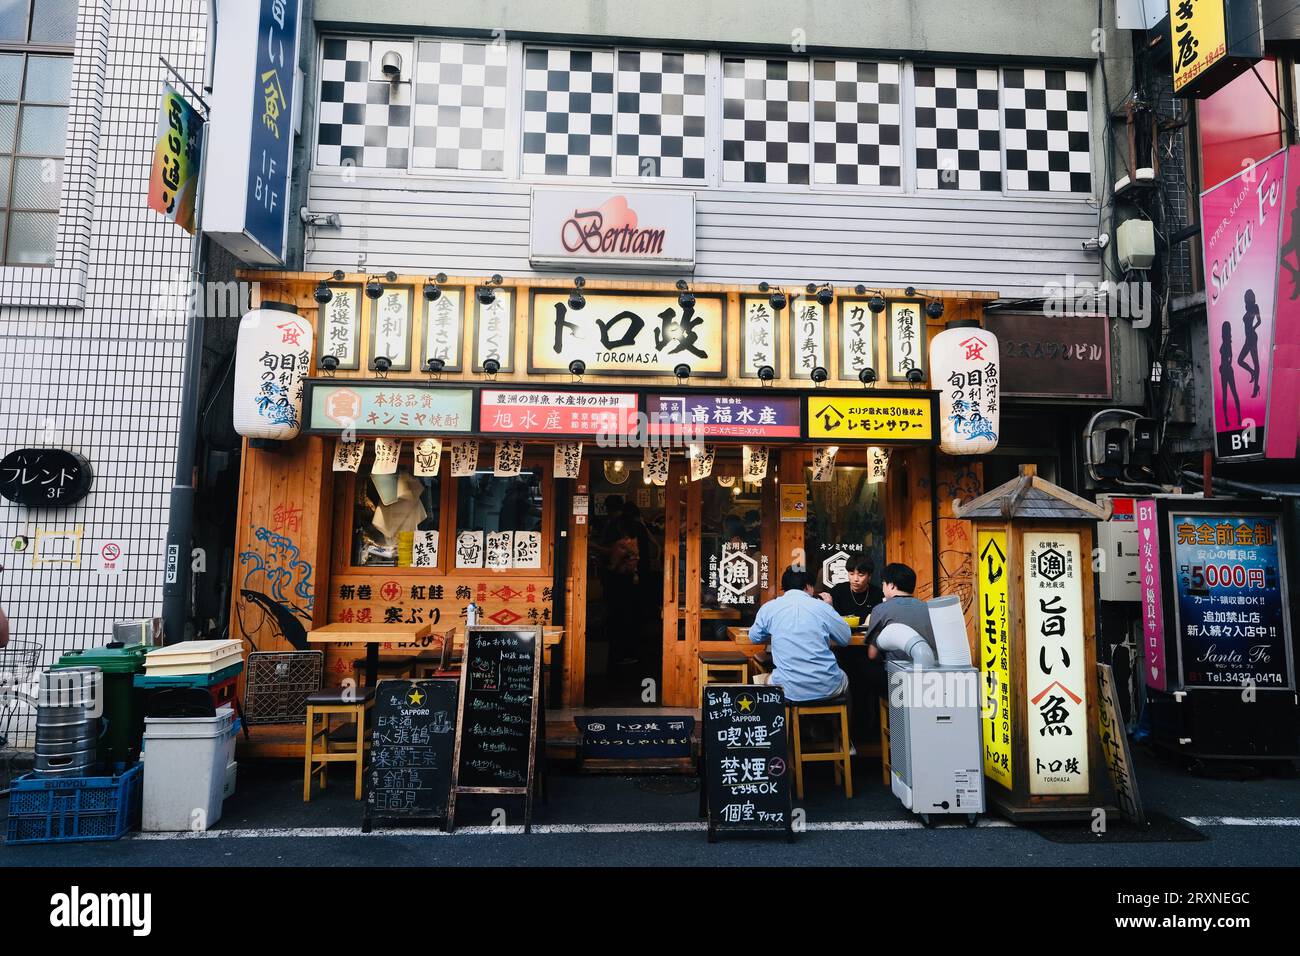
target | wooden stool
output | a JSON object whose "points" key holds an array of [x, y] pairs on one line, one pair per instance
{"points": [[884, 743], [326, 704], [839, 752], [728, 663]]}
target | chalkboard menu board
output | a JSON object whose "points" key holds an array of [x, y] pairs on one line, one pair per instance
{"points": [[746, 759], [497, 730], [413, 743]]}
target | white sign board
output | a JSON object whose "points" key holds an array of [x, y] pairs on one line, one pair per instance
{"points": [[591, 230]]}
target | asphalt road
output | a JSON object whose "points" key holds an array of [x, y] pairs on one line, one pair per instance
{"points": [[640, 821]]}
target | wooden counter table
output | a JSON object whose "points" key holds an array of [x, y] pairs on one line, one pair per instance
{"points": [[371, 635], [741, 636]]}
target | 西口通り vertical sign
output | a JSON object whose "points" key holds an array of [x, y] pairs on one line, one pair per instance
{"points": [[995, 650], [1056, 679], [637, 334]]}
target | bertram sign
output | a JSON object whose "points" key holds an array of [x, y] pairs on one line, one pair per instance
{"points": [[594, 231]]}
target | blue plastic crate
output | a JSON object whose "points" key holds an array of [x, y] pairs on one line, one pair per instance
{"points": [[74, 809]]}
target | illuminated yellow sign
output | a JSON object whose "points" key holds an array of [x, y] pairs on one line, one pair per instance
{"points": [[995, 652], [1200, 38], [647, 334], [881, 419]]}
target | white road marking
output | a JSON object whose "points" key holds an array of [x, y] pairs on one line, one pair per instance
{"points": [[553, 829], [1243, 821]]}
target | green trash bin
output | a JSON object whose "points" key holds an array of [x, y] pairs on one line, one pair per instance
{"points": [[123, 703]]}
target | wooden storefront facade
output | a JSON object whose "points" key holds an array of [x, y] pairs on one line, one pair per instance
{"points": [[296, 562]]}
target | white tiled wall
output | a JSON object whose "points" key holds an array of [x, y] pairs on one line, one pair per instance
{"points": [[103, 379]]}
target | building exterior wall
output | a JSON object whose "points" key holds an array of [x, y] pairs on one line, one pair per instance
{"points": [[89, 359]]}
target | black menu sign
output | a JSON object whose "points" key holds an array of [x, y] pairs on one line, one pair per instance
{"points": [[497, 730], [746, 758], [412, 747]]}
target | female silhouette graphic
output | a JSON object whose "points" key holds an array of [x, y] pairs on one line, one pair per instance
{"points": [[1250, 344], [1227, 376]]}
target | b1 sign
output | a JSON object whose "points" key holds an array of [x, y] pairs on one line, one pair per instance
{"points": [[246, 193], [590, 231]]}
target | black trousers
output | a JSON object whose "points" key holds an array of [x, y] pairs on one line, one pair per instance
{"points": [[867, 683]]}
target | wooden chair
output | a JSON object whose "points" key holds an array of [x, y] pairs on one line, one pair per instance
{"points": [[724, 665], [838, 754], [326, 704]]}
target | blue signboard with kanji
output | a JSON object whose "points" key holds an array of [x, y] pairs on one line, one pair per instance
{"points": [[756, 416], [266, 214]]}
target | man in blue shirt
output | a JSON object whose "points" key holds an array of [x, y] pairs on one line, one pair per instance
{"points": [[799, 626]]}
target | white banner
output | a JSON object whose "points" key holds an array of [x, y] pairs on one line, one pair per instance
{"points": [[701, 458], [424, 550], [428, 457], [823, 466], [387, 453], [469, 549], [528, 549], [509, 458], [348, 454], [568, 459], [464, 458], [753, 463], [655, 460]]}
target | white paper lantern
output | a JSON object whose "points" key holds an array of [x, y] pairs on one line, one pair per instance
{"points": [[965, 368], [272, 356]]}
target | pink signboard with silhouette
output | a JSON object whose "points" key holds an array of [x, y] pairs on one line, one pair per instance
{"points": [[1252, 265]]}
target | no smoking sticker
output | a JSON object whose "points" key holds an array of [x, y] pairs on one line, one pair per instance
{"points": [[110, 558]]}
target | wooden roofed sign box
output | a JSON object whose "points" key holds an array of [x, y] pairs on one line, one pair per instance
{"points": [[1033, 552]]}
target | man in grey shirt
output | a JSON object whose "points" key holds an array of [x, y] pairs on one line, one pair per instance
{"points": [[898, 581]]}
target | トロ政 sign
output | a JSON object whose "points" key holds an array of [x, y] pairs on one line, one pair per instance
{"points": [[649, 333], [587, 230], [45, 477]]}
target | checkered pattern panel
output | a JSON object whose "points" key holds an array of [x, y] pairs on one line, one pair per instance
{"points": [[661, 109], [957, 129], [568, 113], [765, 121], [460, 106], [361, 122], [856, 123], [1045, 113]]}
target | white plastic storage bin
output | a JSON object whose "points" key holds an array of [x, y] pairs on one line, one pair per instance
{"points": [[185, 770]]}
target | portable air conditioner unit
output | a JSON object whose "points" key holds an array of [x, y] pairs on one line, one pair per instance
{"points": [[934, 740]]}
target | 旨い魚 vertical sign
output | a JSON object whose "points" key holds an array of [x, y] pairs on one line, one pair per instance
{"points": [[1056, 678], [995, 651], [177, 159], [266, 212]]}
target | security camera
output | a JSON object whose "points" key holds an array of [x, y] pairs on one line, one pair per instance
{"points": [[1097, 244]]}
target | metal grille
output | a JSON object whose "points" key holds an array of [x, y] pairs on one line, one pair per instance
{"points": [[277, 684]]}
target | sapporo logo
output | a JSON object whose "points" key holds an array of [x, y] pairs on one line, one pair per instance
{"points": [[75, 909]]}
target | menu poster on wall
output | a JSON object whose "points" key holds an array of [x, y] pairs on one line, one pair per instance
{"points": [[807, 337], [528, 549], [391, 328], [412, 750], [701, 459], [469, 549], [428, 457], [424, 549], [1056, 683], [655, 462], [497, 730], [1231, 606], [759, 337], [857, 338], [348, 455], [753, 463], [464, 458], [907, 344], [494, 331], [509, 458], [443, 321], [746, 759], [568, 459], [341, 332], [995, 655], [388, 451], [499, 550], [794, 502]]}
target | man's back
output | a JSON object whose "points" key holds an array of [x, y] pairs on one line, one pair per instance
{"points": [[903, 609], [799, 626]]}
